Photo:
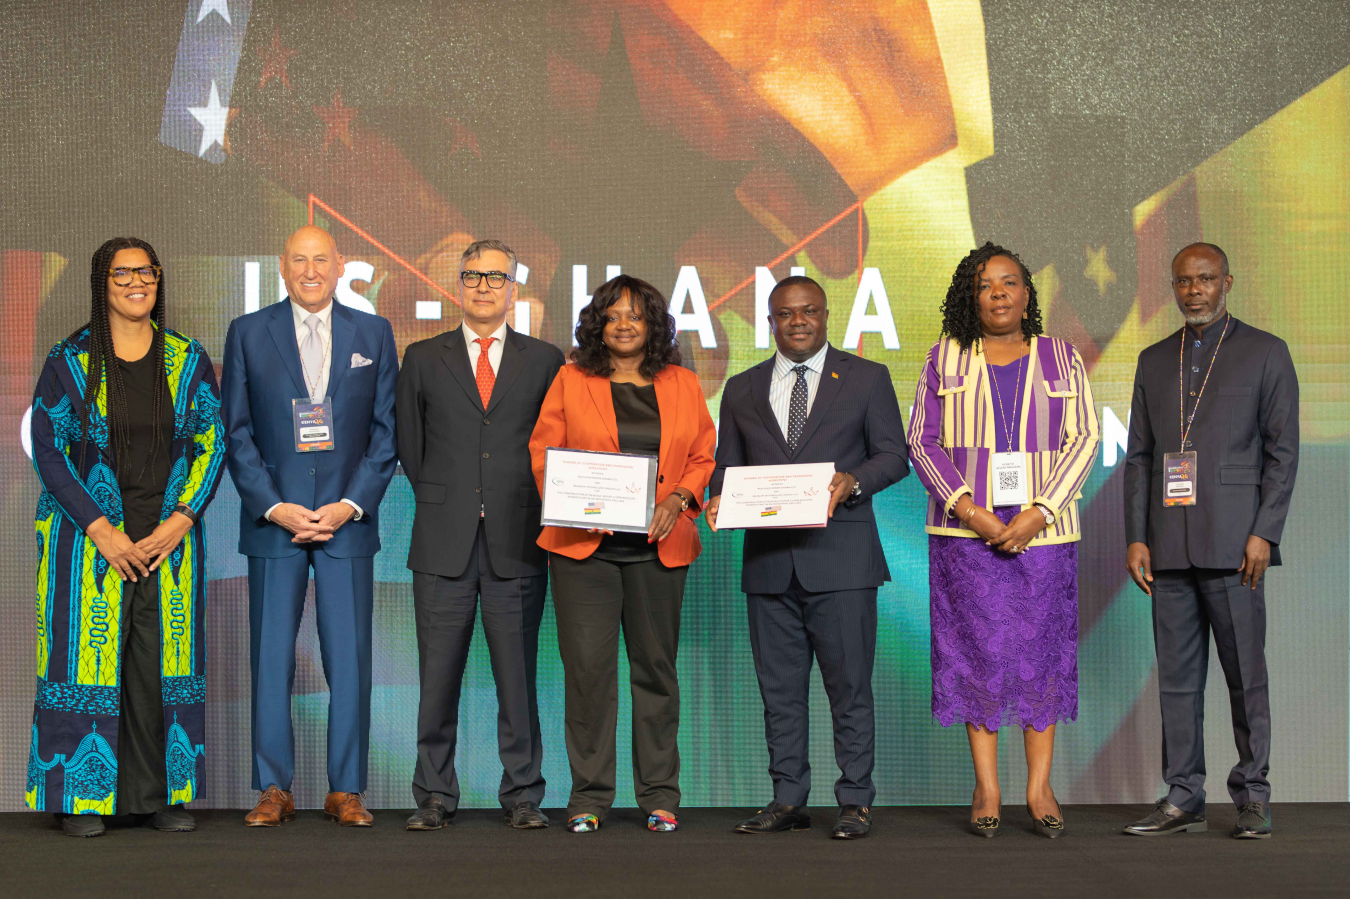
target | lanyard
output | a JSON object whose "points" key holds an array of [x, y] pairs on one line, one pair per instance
{"points": [[1002, 416], [1185, 423]]}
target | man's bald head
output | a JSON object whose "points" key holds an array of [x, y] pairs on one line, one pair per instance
{"points": [[1204, 248], [311, 267]]}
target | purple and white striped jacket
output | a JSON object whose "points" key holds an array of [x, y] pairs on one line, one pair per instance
{"points": [[951, 434]]}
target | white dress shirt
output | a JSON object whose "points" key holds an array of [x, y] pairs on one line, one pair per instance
{"points": [[325, 333], [784, 379], [494, 351]]}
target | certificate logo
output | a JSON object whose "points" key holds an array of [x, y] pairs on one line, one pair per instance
{"points": [[767, 511], [594, 508]]}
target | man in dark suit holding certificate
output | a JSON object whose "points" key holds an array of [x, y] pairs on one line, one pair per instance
{"points": [[814, 590], [467, 403], [1209, 472]]}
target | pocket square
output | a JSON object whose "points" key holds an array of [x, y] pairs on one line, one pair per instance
{"points": [[359, 361]]}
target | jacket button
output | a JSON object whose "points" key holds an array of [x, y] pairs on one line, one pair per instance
{"points": [[311, 471], [485, 455], [486, 422], [478, 490], [660, 479]]}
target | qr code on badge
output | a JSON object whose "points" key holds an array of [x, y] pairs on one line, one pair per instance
{"points": [[1007, 480]]}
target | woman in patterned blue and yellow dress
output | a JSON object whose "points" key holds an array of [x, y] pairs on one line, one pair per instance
{"points": [[128, 444]]}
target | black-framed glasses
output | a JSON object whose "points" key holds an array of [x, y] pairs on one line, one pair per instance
{"points": [[472, 278], [149, 274]]}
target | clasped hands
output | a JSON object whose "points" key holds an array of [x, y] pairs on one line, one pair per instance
{"points": [[143, 556], [1010, 538], [664, 516], [316, 526]]}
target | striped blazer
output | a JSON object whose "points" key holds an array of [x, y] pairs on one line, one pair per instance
{"points": [[951, 434]]}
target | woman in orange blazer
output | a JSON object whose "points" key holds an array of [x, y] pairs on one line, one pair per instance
{"points": [[625, 391]]}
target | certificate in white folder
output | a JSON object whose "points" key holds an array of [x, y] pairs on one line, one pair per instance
{"points": [[776, 496]]}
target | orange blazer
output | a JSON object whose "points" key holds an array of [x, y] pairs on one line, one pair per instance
{"points": [[578, 413]]}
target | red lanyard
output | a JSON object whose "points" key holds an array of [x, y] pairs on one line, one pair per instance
{"points": [[1185, 423]]}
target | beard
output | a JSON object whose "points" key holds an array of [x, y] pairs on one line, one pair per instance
{"points": [[1204, 318]]}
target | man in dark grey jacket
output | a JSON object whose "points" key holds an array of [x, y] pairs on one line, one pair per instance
{"points": [[1213, 449], [467, 402]]}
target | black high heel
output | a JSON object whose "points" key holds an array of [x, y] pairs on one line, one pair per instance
{"points": [[986, 827], [1050, 827]]}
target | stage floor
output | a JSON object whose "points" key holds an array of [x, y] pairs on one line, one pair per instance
{"points": [[912, 851]]}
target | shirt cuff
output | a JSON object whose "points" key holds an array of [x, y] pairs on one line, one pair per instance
{"points": [[268, 514], [359, 514]]}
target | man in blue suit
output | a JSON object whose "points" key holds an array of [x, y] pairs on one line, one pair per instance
{"points": [[308, 394], [813, 591]]}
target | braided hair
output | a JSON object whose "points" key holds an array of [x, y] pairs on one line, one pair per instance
{"points": [[103, 359], [961, 310]]}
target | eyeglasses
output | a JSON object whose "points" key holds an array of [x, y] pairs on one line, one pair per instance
{"points": [[149, 274], [495, 279]]}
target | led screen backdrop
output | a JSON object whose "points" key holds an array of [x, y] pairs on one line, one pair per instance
{"points": [[711, 148]]}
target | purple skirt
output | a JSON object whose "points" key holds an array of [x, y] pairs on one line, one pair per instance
{"points": [[1005, 632]]}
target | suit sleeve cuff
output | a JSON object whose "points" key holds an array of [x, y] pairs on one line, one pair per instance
{"points": [[956, 498], [268, 514], [359, 513]]}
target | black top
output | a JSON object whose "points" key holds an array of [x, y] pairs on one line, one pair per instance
{"points": [[639, 421], [142, 482]]}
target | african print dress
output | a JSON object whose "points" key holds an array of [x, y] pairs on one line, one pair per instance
{"points": [[72, 766]]}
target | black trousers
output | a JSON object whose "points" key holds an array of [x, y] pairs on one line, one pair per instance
{"points": [[142, 782], [592, 598], [1187, 605], [840, 629], [444, 609]]}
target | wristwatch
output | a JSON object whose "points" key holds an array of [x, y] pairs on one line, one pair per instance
{"points": [[857, 485], [684, 502], [1049, 516]]}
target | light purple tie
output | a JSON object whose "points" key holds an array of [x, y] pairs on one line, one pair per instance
{"points": [[311, 354]]}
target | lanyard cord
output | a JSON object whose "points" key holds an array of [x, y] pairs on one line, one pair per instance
{"points": [[318, 376], [1002, 416], [1184, 422]]}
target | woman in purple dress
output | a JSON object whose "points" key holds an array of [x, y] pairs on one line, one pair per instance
{"points": [[1003, 435]]}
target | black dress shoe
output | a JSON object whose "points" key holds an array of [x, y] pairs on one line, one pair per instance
{"points": [[776, 818], [171, 819], [986, 827], [1253, 822], [1049, 826], [526, 816], [83, 825], [1167, 818], [430, 815], [855, 822]]}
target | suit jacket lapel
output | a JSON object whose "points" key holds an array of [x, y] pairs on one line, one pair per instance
{"points": [[604, 405], [831, 379], [513, 362], [760, 377], [344, 332], [455, 355], [283, 335]]}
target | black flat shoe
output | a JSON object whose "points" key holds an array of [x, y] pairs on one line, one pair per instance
{"points": [[83, 825], [431, 815], [855, 822], [526, 816], [1049, 826], [1167, 818], [1253, 822], [171, 819], [776, 818], [986, 827]]}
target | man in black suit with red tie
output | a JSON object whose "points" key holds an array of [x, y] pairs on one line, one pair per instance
{"points": [[466, 406], [813, 591]]}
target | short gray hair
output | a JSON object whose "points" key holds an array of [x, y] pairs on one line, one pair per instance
{"points": [[475, 249]]}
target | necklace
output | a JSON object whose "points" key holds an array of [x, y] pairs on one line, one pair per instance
{"points": [[1185, 423]]}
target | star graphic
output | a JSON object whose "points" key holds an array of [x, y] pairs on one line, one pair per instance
{"points": [[214, 119], [337, 119], [220, 7], [276, 58], [1098, 269], [462, 138]]}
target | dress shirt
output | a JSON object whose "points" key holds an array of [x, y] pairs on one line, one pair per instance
{"points": [[494, 351], [325, 332], [784, 378]]}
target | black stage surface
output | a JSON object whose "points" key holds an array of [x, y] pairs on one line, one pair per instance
{"points": [[912, 851]]}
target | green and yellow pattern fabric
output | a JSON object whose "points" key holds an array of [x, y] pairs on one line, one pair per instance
{"points": [[72, 764]]}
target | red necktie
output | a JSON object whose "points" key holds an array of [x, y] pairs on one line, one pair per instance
{"points": [[484, 375]]}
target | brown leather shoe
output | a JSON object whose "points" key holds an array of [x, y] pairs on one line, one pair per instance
{"points": [[348, 810], [274, 806]]}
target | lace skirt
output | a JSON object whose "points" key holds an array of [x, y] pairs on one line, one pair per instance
{"points": [[1004, 632]]}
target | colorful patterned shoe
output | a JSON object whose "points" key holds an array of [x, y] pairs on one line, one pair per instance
{"points": [[662, 822], [583, 823]]}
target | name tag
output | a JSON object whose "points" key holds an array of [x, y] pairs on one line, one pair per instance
{"points": [[313, 424], [1009, 471], [1179, 474]]}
